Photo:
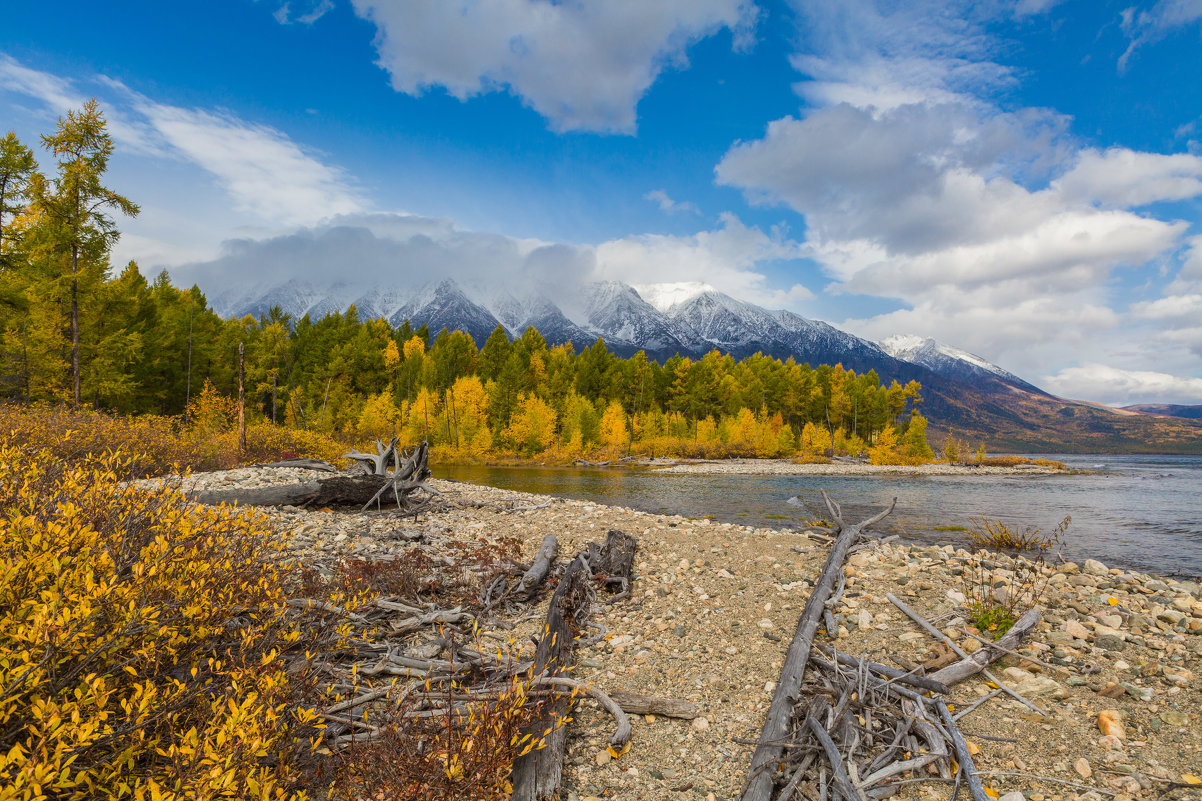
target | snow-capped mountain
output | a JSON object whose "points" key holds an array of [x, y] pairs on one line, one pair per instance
{"points": [[689, 318], [958, 365], [445, 306], [619, 313]]}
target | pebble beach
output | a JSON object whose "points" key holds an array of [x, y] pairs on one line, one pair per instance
{"points": [[714, 606]]}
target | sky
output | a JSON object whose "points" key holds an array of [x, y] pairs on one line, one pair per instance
{"points": [[1019, 179]]}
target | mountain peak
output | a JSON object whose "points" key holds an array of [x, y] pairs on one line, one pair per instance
{"points": [[666, 295]]}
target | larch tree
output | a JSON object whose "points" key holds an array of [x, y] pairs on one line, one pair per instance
{"points": [[75, 205]]}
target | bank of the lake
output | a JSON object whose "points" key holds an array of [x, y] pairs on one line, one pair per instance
{"points": [[714, 605], [1141, 512]]}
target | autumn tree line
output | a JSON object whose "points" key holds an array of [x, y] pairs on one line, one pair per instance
{"points": [[74, 330]]}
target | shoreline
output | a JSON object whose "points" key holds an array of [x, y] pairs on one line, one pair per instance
{"points": [[784, 467], [713, 608]]}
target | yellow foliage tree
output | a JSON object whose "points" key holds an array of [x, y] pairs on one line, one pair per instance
{"points": [[379, 417], [885, 449], [531, 429], [815, 441], [613, 426]]}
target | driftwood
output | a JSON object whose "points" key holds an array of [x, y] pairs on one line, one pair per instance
{"points": [[532, 578], [359, 491], [776, 725], [638, 704], [965, 664], [537, 775], [303, 464], [928, 683], [989, 652], [376, 463]]}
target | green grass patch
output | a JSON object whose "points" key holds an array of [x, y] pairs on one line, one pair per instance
{"points": [[950, 528]]}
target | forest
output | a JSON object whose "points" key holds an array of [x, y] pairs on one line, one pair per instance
{"points": [[74, 330]]}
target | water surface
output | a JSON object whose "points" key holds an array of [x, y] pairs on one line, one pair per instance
{"points": [[1142, 512]]}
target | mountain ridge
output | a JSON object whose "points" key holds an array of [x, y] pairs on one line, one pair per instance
{"points": [[962, 392]]}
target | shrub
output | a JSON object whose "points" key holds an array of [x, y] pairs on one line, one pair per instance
{"points": [[996, 596], [154, 445], [141, 643]]}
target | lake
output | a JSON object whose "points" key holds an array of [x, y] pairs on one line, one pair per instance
{"points": [[1141, 512]]}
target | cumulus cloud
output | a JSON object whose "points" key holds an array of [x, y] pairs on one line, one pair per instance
{"points": [[1124, 387], [401, 252], [993, 227], [583, 65]]}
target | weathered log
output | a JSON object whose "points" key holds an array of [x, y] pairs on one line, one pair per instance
{"points": [[776, 724], [921, 682], [334, 491], [377, 463], [302, 464], [989, 652], [638, 704], [842, 781], [963, 756], [532, 578], [614, 561], [939, 635], [537, 775]]}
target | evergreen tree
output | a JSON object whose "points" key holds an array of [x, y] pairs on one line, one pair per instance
{"points": [[74, 206]]}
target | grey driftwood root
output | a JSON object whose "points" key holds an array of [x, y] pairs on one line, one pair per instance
{"points": [[989, 652], [341, 490], [532, 578], [537, 775], [776, 724]]}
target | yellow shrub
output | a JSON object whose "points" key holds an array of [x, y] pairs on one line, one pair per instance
{"points": [[140, 643]]}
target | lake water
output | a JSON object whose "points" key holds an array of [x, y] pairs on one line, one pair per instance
{"points": [[1141, 512]]}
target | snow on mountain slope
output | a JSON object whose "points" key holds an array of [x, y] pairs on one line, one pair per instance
{"points": [[954, 363], [664, 296], [443, 305], [619, 313]]}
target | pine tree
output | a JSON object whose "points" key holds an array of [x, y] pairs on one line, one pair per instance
{"points": [[74, 206]]}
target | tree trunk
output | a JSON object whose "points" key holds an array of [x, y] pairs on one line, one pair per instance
{"points": [[776, 725], [75, 320]]}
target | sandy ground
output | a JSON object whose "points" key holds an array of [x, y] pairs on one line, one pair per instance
{"points": [[714, 606]]}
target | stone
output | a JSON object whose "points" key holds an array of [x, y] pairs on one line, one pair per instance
{"points": [[1110, 722], [1076, 630], [1110, 642], [1082, 767], [1041, 686], [1142, 693], [1016, 675], [603, 758], [1113, 621], [1095, 568], [1013, 795], [700, 724], [1174, 718]]}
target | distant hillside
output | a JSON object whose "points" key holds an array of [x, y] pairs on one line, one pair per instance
{"points": [[962, 392], [1167, 410]]}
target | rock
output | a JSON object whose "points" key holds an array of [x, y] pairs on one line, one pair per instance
{"points": [[1110, 722], [1174, 718], [1113, 621], [700, 724], [1041, 686], [1110, 642], [1076, 630], [1082, 767], [1095, 568], [1013, 795], [603, 758], [1016, 675], [1111, 742], [1142, 693], [765, 623]]}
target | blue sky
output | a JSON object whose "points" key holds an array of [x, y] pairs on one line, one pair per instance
{"points": [[1020, 179]]}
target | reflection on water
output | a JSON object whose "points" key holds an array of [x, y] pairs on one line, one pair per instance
{"points": [[1141, 511]]}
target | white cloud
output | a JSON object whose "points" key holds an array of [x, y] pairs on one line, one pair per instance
{"points": [[1124, 387], [1179, 307], [264, 172], [1146, 27], [993, 227], [727, 258], [583, 65], [1122, 178], [668, 205], [286, 16]]}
